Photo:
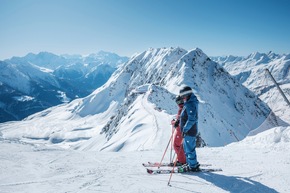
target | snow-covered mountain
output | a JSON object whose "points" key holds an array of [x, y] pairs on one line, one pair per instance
{"points": [[132, 113], [37, 81], [133, 110], [251, 72]]}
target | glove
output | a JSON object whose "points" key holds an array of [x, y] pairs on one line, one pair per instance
{"points": [[173, 122], [184, 134], [176, 124]]}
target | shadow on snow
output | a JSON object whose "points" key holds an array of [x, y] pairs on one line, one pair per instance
{"points": [[233, 184]]}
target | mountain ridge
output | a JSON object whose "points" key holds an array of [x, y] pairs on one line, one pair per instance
{"points": [[111, 118]]}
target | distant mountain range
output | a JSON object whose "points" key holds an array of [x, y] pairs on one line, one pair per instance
{"points": [[35, 82]]}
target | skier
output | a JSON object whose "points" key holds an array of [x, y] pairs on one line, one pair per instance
{"points": [[188, 126], [177, 139]]}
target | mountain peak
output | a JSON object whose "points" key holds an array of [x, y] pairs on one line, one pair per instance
{"points": [[256, 55], [115, 118]]}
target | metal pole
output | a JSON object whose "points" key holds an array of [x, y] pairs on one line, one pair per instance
{"points": [[277, 85], [165, 150], [175, 162]]}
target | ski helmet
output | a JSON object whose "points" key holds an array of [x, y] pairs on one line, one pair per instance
{"points": [[179, 100], [185, 91]]}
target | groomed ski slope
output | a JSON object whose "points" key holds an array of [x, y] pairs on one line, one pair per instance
{"points": [[257, 164]]}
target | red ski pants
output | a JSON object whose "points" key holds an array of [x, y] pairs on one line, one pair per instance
{"points": [[178, 146]]}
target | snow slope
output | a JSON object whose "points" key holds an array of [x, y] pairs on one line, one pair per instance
{"points": [[256, 164]]}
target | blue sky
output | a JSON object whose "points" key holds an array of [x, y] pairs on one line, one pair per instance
{"points": [[218, 27]]}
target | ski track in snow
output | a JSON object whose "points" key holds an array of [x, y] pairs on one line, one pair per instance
{"points": [[33, 168], [145, 104]]}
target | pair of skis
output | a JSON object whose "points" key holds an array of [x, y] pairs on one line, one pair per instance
{"points": [[176, 169]]}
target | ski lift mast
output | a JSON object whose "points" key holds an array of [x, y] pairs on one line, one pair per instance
{"points": [[277, 85]]}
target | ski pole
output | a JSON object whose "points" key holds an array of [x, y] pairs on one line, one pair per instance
{"points": [[165, 150], [171, 147], [175, 162], [172, 171]]}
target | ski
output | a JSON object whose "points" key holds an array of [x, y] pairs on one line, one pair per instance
{"points": [[157, 164], [168, 171]]}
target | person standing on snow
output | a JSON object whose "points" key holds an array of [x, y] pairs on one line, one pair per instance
{"points": [[188, 126], [177, 139]]}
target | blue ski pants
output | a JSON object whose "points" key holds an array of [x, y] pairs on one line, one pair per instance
{"points": [[189, 145]]}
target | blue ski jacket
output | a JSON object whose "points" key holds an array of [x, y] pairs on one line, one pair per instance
{"points": [[189, 116]]}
